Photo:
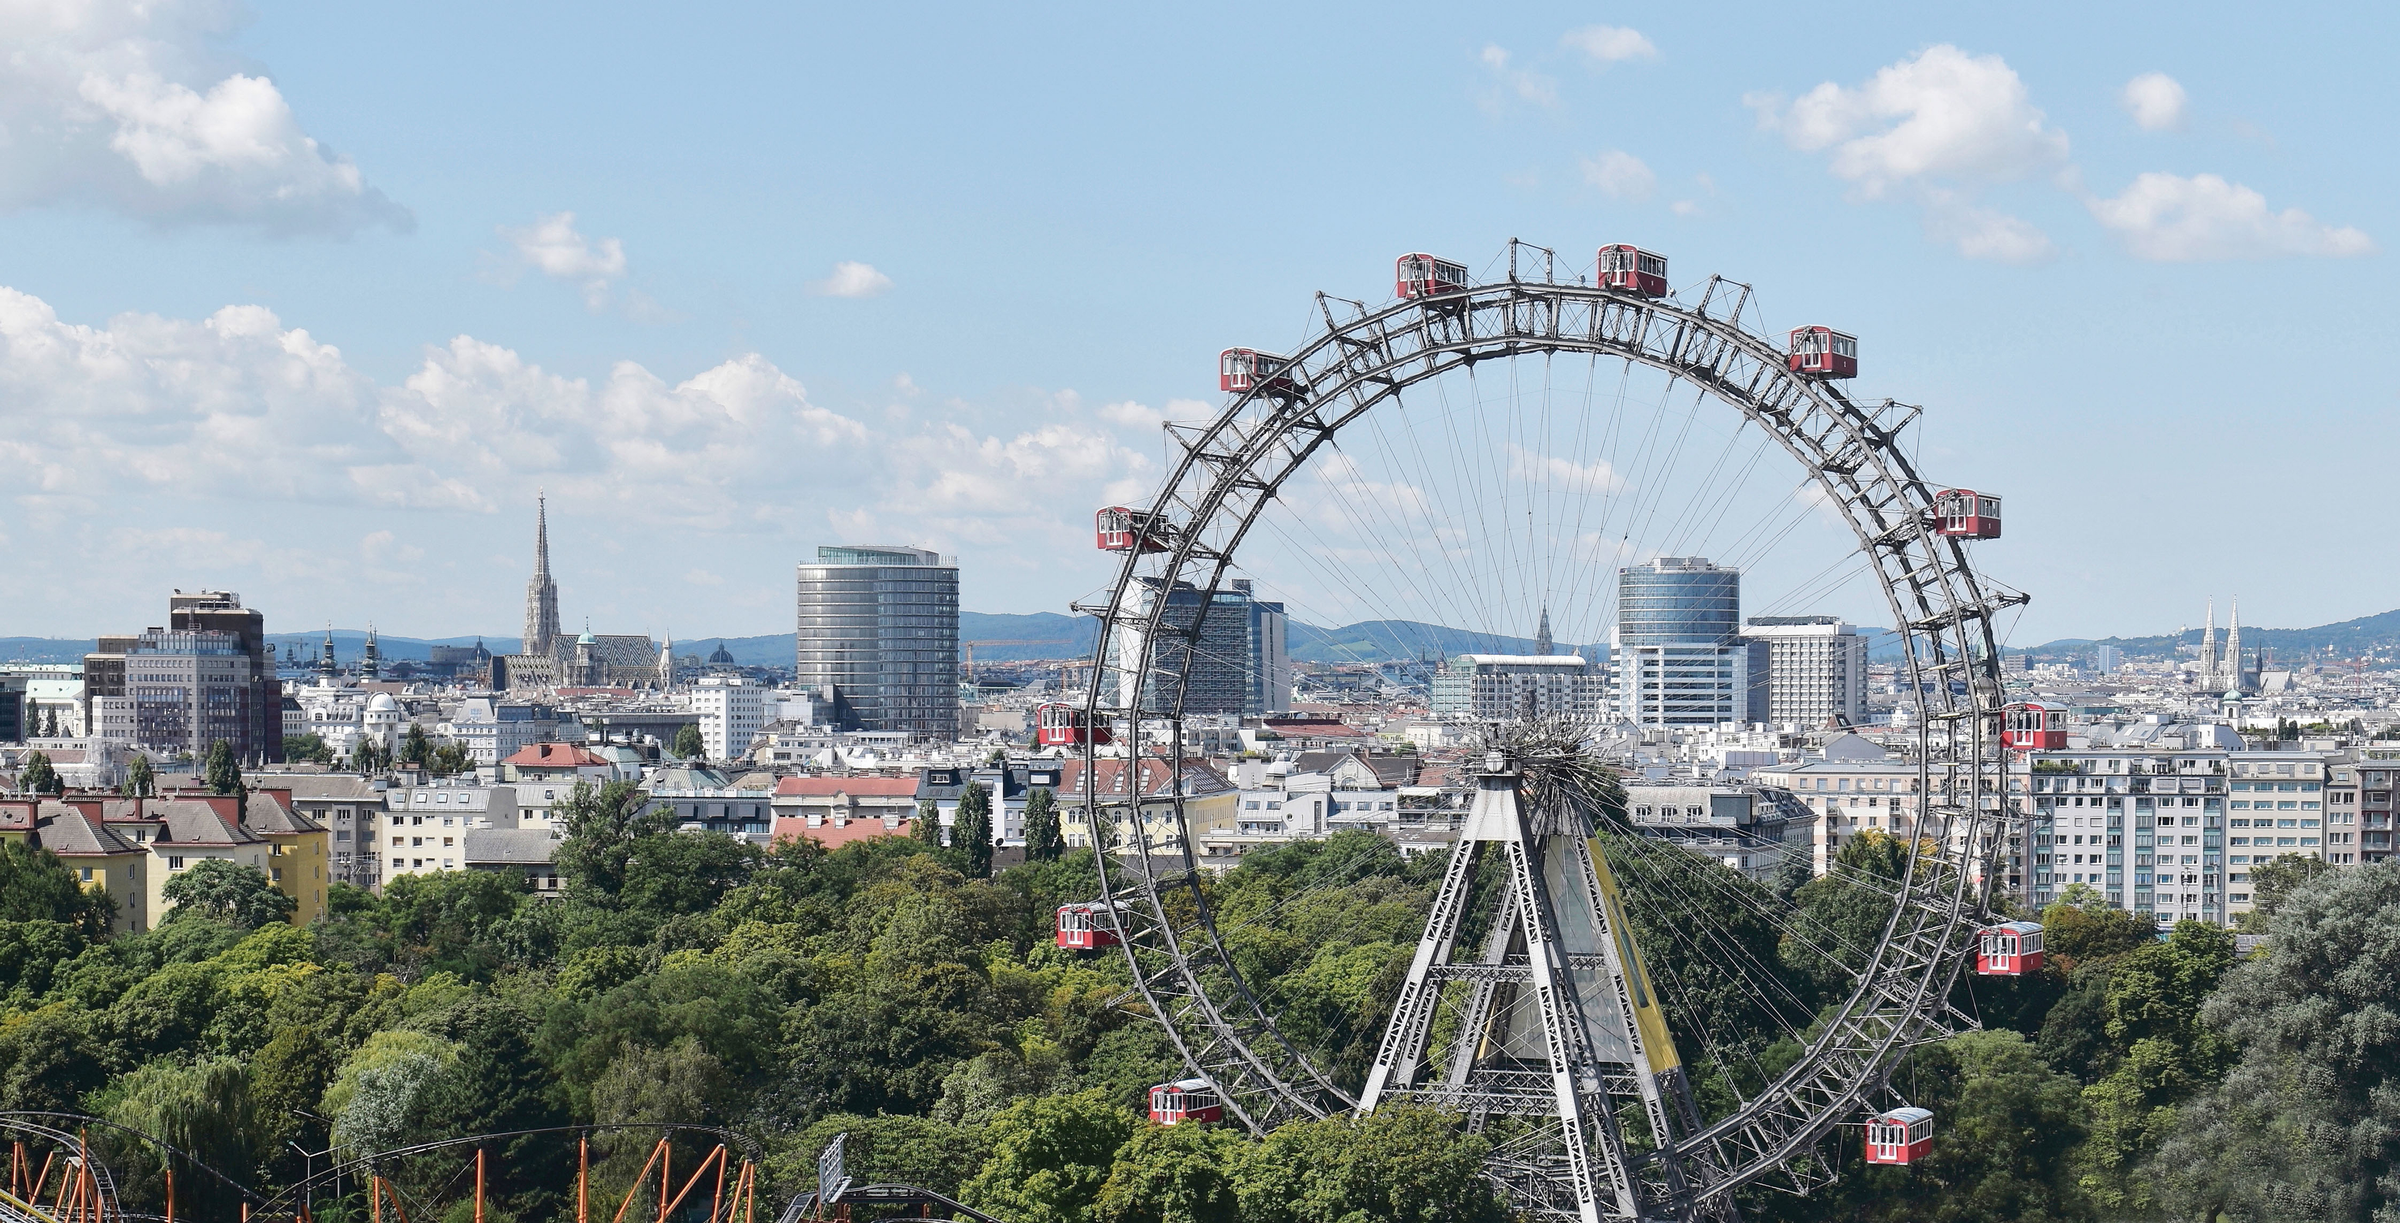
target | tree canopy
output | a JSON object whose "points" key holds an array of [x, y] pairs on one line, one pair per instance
{"points": [[219, 889]]}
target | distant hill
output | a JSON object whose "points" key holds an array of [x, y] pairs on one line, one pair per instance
{"points": [[2376, 636], [1018, 637], [1397, 641]]}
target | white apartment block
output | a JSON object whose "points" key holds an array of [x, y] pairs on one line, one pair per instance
{"points": [[1816, 669], [424, 828], [1490, 687], [1690, 685], [2170, 819], [731, 711]]}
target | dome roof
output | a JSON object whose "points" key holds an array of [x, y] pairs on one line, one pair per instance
{"points": [[382, 702], [585, 639]]}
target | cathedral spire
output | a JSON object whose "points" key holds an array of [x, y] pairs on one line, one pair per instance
{"points": [[2233, 648], [1542, 643], [541, 594], [2208, 650]]}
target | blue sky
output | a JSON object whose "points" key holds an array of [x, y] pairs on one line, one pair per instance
{"points": [[932, 274]]}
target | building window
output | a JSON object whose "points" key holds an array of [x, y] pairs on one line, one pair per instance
{"points": [[174, 864]]}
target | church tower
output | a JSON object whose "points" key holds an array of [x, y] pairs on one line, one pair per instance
{"points": [[2208, 652], [370, 664], [2235, 672], [1542, 644], [541, 594]]}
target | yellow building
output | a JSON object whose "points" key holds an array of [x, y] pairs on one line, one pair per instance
{"points": [[1210, 803], [299, 858], [182, 832], [102, 860]]}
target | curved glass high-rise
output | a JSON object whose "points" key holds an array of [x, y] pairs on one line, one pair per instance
{"points": [[1678, 600], [1678, 656], [879, 626]]}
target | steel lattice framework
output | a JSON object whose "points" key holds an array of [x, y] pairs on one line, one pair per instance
{"points": [[1229, 472]]}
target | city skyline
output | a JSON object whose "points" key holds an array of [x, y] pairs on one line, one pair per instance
{"points": [[714, 377]]}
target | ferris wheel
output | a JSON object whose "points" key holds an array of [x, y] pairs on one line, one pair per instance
{"points": [[1491, 452]]}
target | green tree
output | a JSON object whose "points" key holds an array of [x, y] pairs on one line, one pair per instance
{"points": [[450, 759], [219, 889], [2082, 927], [1841, 915], [310, 748], [1173, 1174], [973, 831], [688, 743], [50, 724], [38, 776], [1397, 1165], [927, 827], [141, 781], [1044, 840], [1050, 1157], [2307, 1123], [601, 827], [203, 1109], [671, 873], [2163, 1056], [2004, 1127], [36, 887], [223, 772], [415, 746], [2271, 882]]}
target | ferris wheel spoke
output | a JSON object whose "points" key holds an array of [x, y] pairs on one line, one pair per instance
{"points": [[1489, 524]]}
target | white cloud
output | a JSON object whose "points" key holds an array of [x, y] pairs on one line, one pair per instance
{"points": [[1985, 233], [1943, 116], [1621, 174], [2155, 101], [223, 425], [1610, 44], [1527, 85], [2174, 219], [1938, 127], [852, 280], [124, 104], [552, 246]]}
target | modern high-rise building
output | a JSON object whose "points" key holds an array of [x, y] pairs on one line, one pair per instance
{"points": [[878, 638], [1239, 662], [1677, 653], [731, 710], [221, 611], [191, 690], [1816, 669]]}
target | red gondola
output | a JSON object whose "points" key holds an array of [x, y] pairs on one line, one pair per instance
{"points": [[1057, 724], [1822, 352], [1967, 514], [1241, 369], [1422, 275], [2010, 949], [1630, 269], [1087, 926], [1194, 1100], [1119, 529], [1901, 1136], [2030, 726]]}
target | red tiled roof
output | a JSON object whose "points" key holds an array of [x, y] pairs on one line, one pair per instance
{"points": [[555, 756], [862, 787], [834, 836], [1157, 778]]}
